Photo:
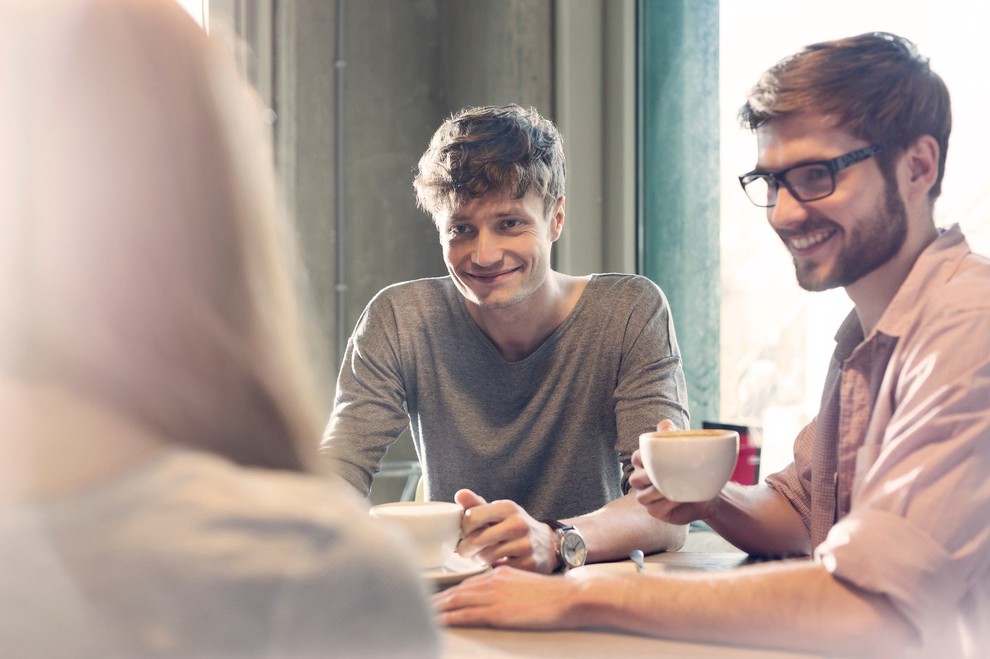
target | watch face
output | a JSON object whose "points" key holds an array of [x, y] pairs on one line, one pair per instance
{"points": [[573, 551]]}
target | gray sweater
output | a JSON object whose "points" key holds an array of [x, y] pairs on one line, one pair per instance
{"points": [[553, 432]]}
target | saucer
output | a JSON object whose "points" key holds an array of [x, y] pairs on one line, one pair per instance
{"points": [[454, 570]]}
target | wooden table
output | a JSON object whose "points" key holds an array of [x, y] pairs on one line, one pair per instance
{"points": [[587, 644]]}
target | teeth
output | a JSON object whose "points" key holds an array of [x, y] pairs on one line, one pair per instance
{"points": [[807, 241]]}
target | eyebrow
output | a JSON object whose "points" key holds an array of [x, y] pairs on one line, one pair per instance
{"points": [[516, 209], [797, 163]]}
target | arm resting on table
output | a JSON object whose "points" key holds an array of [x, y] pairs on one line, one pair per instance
{"points": [[794, 604], [622, 525]]}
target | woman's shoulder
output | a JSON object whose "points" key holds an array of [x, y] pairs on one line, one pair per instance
{"points": [[266, 498], [295, 558], [307, 529]]}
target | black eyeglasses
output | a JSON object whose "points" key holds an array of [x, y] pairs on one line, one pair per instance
{"points": [[808, 181]]}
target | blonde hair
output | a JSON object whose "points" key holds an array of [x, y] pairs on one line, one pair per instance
{"points": [[152, 255]]}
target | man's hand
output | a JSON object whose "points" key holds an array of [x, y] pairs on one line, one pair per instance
{"points": [[655, 502], [509, 598], [502, 533]]}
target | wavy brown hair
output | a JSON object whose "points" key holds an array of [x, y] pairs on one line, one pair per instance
{"points": [[478, 151]]}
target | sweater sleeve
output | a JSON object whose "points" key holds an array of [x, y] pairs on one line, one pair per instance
{"points": [[651, 385], [369, 407]]}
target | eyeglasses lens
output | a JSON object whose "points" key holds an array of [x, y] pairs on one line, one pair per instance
{"points": [[759, 191], [805, 183], [811, 182]]}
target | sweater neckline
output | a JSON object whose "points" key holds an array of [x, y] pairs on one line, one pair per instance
{"points": [[543, 348]]}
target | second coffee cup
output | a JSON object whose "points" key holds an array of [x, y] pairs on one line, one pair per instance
{"points": [[689, 465]]}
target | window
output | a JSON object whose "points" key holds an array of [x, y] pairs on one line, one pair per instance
{"points": [[776, 339], [196, 9]]}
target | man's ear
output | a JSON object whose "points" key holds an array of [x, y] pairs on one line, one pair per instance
{"points": [[920, 167], [557, 217]]}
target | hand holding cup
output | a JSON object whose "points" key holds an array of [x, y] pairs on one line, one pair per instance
{"points": [[689, 466]]}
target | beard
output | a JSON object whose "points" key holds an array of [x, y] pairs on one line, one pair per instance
{"points": [[870, 244]]}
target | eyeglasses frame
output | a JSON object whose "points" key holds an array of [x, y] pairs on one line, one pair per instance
{"points": [[834, 166]]}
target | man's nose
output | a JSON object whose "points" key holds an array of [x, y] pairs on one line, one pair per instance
{"points": [[487, 248], [787, 211]]}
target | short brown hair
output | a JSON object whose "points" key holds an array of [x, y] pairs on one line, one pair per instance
{"points": [[491, 149], [876, 85]]}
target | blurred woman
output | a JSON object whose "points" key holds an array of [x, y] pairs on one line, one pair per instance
{"points": [[158, 404]]}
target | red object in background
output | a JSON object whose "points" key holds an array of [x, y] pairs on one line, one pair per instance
{"points": [[748, 464]]}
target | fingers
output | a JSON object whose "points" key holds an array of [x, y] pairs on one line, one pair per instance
{"points": [[478, 514], [639, 479], [637, 459], [495, 533], [462, 604], [483, 515], [486, 600], [493, 599], [648, 496], [502, 533], [517, 554], [665, 425], [468, 499], [477, 520]]}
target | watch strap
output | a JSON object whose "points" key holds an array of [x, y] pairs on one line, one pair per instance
{"points": [[557, 525]]}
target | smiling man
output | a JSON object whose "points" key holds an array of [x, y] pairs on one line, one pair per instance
{"points": [[522, 386], [889, 491]]}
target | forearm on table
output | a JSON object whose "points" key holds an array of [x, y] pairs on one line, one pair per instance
{"points": [[622, 525], [759, 520], [793, 604]]}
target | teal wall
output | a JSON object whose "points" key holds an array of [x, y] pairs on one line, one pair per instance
{"points": [[678, 180]]}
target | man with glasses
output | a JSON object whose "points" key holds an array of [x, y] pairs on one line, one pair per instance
{"points": [[888, 498]]}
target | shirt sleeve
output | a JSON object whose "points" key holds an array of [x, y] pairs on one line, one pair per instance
{"points": [[369, 406], [924, 489], [794, 481], [651, 385]]}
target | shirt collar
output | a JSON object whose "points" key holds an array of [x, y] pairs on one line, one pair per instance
{"points": [[934, 267]]}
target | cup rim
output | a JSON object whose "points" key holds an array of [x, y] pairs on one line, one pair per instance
{"points": [[693, 433]]}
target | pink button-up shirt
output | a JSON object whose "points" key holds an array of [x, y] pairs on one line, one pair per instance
{"points": [[892, 478]]}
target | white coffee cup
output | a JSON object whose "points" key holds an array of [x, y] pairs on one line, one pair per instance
{"points": [[689, 465], [433, 527]]}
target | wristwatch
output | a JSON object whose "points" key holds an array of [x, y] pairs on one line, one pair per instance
{"points": [[571, 549]]}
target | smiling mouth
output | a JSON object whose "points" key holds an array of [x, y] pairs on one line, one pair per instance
{"points": [[807, 241], [491, 276]]}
